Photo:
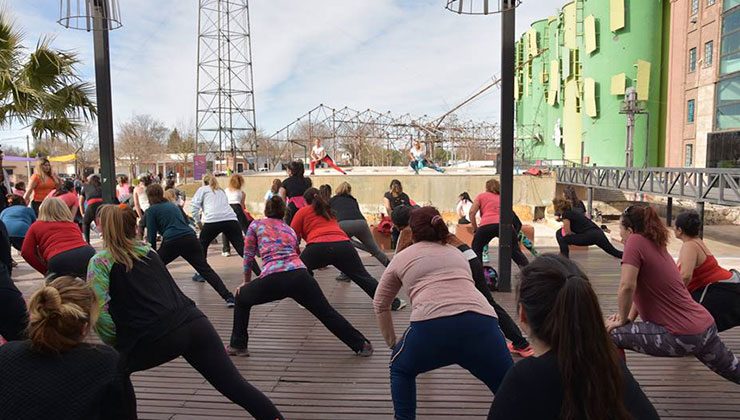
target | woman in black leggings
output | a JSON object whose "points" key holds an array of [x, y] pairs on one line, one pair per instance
{"points": [[148, 319], [327, 244], [284, 275], [580, 231], [178, 239], [90, 200]]}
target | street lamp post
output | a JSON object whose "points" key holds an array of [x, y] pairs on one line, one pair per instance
{"points": [[100, 16], [506, 230]]}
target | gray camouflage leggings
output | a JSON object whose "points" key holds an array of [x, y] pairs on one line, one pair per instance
{"points": [[653, 339]]}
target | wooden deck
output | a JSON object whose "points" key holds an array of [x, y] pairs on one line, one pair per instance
{"points": [[311, 375]]}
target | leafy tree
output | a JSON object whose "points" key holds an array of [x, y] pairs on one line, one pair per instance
{"points": [[140, 138]]}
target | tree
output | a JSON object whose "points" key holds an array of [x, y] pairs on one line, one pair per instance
{"points": [[42, 89], [181, 145], [139, 139]]}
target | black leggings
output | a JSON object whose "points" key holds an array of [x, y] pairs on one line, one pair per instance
{"points": [[232, 231], [243, 222], [301, 287], [198, 342], [71, 263], [508, 326], [90, 212], [343, 256], [587, 238], [484, 234], [190, 250], [722, 300], [16, 242]]}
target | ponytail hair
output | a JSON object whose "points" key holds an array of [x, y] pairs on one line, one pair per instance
{"points": [[645, 221], [320, 206], [427, 225], [60, 315], [563, 311], [211, 181]]}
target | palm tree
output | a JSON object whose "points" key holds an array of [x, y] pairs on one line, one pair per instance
{"points": [[42, 89]]}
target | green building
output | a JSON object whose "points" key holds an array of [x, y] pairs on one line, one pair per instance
{"points": [[572, 73]]}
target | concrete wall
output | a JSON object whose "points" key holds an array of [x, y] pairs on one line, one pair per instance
{"points": [[440, 191]]}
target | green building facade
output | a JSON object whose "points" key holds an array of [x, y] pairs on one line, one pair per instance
{"points": [[572, 73]]}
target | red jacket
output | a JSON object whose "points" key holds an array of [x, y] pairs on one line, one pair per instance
{"points": [[314, 228], [44, 240]]}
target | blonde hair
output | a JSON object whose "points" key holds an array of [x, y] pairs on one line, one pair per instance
{"points": [[344, 189], [54, 210], [39, 170], [236, 181], [119, 234], [170, 195], [212, 182], [60, 314], [493, 186]]}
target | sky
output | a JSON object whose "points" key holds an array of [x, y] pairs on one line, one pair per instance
{"points": [[403, 56]]}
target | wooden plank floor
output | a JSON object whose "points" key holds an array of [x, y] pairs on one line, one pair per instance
{"points": [[311, 375]]}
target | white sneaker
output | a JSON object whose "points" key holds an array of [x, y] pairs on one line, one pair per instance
{"points": [[226, 254]]}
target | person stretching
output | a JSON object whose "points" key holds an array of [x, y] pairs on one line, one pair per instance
{"points": [[717, 289], [237, 202], [319, 155], [353, 223], [77, 380], [418, 158], [13, 313], [292, 189], [217, 217], [577, 372], [451, 322], [327, 244], [579, 230], [519, 345], [284, 275], [178, 239], [150, 321], [90, 200], [17, 219], [673, 324], [141, 202], [53, 245]]}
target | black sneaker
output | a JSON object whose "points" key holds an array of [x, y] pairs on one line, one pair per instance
{"points": [[198, 278], [233, 351], [367, 350], [343, 277], [398, 306], [230, 303]]}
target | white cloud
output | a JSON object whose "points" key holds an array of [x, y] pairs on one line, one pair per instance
{"points": [[407, 57]]}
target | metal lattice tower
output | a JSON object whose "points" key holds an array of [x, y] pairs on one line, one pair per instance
{"points": [[225, 117]]}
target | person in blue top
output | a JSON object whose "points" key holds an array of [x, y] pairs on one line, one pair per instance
{"points": [[178, 239], [17, 219]]}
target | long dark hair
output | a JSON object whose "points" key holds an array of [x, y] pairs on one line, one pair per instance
{"points": [[320, 206], [563, 312], [396, 188], [465, 196], [94, 180], [570, 194], [427, 225], [296, 168], [645, 221], [67, 186]]}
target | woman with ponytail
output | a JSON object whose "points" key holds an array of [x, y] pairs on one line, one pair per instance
{"points": [[76, 380], [579, 230], [715, 288], [327, 244], [284, 275], [211, 206], [673, 324], [577, 373], [451, 322], [150, 321], [292, 188]]}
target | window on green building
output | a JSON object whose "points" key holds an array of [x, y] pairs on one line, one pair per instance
{"points": [[708, 53], [694, 7], [728, 103], [692, 60], [690, 111], [729, 54], [688, 155], [729, 4]]}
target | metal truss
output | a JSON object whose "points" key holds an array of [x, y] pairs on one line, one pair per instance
{"points": [[365, 134], [225, 116], [701, 185]]}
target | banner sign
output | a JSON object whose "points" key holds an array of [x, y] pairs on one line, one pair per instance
{"points": [[199, 167]]}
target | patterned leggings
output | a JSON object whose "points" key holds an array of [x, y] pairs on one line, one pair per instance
{"points": [[653, 339]]}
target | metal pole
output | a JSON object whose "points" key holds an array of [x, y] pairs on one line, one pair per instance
{"points": [[105, 107], [28, 156], [669, 212], [506, 230], [700, 210], [590, 198]]}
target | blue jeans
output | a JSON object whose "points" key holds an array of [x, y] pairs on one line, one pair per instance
{"points": [[470, 340]]}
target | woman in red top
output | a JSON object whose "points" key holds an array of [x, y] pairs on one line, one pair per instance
{"points": [[69, 196], [715, 288], [327, 244], [53, 244], [673, 324], [43, 182]]}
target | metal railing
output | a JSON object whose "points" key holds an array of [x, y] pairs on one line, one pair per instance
{"points": [[702, 185]]}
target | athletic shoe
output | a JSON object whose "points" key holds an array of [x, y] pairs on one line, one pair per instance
{"points": [[226, 254], [486, 258], [367, 350], [230, 303], [525, 352], [198, 278], [401, 304], [232, 351], [343, 277]]}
